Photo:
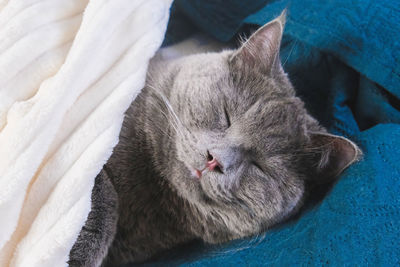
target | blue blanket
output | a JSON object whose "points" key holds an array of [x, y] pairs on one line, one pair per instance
{"points": [[343, 56]]}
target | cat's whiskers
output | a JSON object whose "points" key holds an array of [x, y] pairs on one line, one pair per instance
{"points": [[175, 122], [162, 129], [168, 116], [290, 52]]}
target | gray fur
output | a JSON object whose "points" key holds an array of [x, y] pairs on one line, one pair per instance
{"points": [[269, 149]]}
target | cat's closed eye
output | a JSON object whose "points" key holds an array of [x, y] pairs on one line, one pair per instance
{"points": [[255, 164], [227, 118]]}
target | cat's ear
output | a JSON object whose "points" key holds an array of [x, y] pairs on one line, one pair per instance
{"points": [[261, 50], [331, 155]]}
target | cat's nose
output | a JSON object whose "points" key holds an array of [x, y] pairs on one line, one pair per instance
{"points": [[212, 163], [223, 159]]}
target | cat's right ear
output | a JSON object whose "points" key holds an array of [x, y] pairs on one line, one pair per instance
{"points": [[261, 50], [330, 155]]}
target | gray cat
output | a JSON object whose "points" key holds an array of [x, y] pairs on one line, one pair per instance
{"points": [[216, 147]]}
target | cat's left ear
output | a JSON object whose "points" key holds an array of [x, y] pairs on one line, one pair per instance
{"points": [[331, 155], [261, 50]]}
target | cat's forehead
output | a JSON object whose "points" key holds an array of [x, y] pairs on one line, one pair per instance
{"points": [[203, 68], [216, 71]]}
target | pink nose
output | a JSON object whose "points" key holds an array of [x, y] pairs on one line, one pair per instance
{"points": [[212, 163]]}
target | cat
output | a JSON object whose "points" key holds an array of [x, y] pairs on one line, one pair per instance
{"points": [[216, 147]]}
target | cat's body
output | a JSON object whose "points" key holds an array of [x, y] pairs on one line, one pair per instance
{"points": [[216, 147]]}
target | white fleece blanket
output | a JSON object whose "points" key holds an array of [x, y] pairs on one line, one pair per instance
{"points": [[68, 71]]}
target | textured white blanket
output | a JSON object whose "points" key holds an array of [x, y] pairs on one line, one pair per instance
{"points": [[68, 71]]}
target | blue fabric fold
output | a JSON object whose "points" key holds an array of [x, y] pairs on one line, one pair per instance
{"points": [[343, 58]]}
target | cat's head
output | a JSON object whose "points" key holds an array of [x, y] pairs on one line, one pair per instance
{"points": [[246, 147]]}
